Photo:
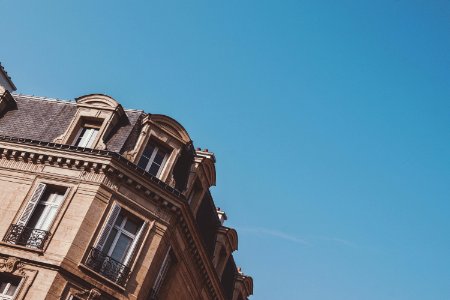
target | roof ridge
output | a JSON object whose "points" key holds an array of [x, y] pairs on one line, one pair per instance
{"points": [[65, 101], [42, 98]]}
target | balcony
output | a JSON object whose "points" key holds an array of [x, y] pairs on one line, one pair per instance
{"points": [[107, 266], [26, 236]]}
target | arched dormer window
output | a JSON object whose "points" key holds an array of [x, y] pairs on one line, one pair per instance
{"points": [[96, 117], [160, 145], [87, 133], [226, 244], [202, 176], [154, 157]]}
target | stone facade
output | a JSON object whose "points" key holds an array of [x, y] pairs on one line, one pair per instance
{"points": [[101, 202]]}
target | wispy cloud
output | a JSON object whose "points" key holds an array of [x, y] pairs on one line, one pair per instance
{"points": [[309, 241], [277, 234]]}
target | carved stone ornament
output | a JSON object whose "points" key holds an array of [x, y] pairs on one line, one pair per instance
{"points": [[129, 154], [10, 264], [91, 294]]}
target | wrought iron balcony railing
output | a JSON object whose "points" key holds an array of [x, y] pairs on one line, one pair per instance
{"points": [[26, 236], [107, 266]]}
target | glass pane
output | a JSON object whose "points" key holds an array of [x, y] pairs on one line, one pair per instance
{"points": [[2, 287], [131, 226], [37, 214], [47, 196], [56, 197], [119, 219], [110, 240], [148, 150], [143, 162], [82, 133], [47, 218], [8, 284], [12, 289], [84, 136], [160, 157], [121, 248], [154, 169]]}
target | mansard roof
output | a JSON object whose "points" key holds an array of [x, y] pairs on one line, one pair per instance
{"points": [[45, 119]]}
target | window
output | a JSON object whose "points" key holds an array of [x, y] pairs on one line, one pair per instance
{"points": [[153, 158], [116, 245], [121, 237], [165, 266], [86, 136], [45, 212], [32, 228], [8, 286]]}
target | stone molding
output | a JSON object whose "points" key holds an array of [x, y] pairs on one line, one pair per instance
{"points": [[94, 107], [123, 175], [6, 101], [91, 294], [11, 265]]}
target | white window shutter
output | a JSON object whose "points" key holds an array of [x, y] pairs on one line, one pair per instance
{"points": [[48, 222], [31, 205], [91, 138], [85, 138], [113, 214], [135, 243]]}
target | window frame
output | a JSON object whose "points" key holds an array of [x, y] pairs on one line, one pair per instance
{"points": [[86, 124], [154, 131], [122, 231], [168, 261], [93, 132], [69, 192], [157, 146], [100, 238], [16, 291], [48, 204]]}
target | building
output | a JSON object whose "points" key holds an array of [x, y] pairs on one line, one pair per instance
{"points": [[102, 202]]}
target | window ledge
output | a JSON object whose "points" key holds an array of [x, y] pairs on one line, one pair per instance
{"points": [[99, 275], [38, 251]]}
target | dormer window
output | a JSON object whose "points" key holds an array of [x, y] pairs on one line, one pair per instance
{"points": [[86, 136], [153, 158], [87, 133]]}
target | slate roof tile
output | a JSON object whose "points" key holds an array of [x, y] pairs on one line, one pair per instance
{"points": [[45, 119]]}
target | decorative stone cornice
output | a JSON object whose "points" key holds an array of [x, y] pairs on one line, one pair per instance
{"points": [[231, 237], [206, 162], [244, 284], [82, 162], [169, 125], [100, 101], [116, 167], [10, 264]]}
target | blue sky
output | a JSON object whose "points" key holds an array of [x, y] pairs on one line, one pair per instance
{"points": [[329, 120]]}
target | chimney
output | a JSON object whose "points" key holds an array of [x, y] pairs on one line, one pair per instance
{"points": [[222, 216], [6, 83], [6, 87]]}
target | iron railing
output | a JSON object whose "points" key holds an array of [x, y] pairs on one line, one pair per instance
{"points": [[26, 236], [107, 266]]}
